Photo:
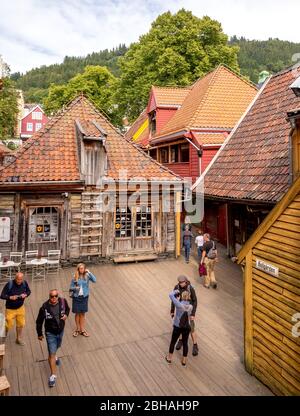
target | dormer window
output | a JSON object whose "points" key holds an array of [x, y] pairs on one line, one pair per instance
{"points": [[152, 122]]}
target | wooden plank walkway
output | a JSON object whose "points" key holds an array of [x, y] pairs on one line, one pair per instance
{"points": [[130, 329]]}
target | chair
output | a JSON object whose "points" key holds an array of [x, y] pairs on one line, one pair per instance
{"points": [[30, 255], [16, 257], [53, 261]]}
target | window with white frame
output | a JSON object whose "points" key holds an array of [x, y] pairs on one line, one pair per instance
{"points": [[38, 126], [37, 115], [29, 127]]}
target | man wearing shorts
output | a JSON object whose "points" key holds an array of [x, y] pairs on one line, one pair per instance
{"points": [[15, 292], [54, 313]]}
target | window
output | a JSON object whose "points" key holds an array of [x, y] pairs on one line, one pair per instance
{"points": [[143, 222], [174, 153], [153, 153], [43, 224], [123, 224], [164, 155], [184, 153], [37, 115], [38, 126], [152, 120], [29, 127]]}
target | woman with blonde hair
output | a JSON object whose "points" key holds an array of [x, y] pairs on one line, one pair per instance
{"points": [[181, 323], [79, 291]]}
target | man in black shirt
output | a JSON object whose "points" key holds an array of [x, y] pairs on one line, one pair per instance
{"points": [[15, 292], [53, 312]]}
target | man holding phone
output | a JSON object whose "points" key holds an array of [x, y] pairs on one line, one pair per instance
{"points": [[15, 292], [54, 313]]}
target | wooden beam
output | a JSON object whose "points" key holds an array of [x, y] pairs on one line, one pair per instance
{"points": [[2, 352], [248, 314], [177, 224]]}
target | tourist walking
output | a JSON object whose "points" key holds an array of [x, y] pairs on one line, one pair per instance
{"points": [[79, 291], [15, 292], [187, 243], [182, 286], [181, 323], [54, 313], [209, 258], [199, 241]]}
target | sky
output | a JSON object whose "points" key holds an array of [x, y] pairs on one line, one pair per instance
{"points": [[43, 32]]}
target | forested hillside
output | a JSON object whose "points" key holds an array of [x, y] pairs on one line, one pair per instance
{"points": [[35, 83]]}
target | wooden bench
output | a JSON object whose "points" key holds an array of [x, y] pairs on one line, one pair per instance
{"points": [[2, 352], [4, 386]]}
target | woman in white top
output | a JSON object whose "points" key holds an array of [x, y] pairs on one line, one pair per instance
{"points": [[199, 241]]}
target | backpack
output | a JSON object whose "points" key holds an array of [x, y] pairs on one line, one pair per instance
{"points": [[184, 321], [212, 254]]}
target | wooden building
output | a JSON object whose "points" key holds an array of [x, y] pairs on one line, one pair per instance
{"points": [[54, 192], [184, 127], [252, 170], [272, 288]]}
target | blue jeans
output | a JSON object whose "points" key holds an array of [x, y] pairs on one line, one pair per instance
{"points": [[187, 250], [53, 342], [200, 252]]}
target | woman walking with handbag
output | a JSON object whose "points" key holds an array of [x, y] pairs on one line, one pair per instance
{"points": [[79, 291]]}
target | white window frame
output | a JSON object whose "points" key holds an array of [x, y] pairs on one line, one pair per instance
{"points": [[37, 115], [38, 126], [29, 126]]}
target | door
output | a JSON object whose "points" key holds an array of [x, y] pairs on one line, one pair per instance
{"points": [[44, 226]]}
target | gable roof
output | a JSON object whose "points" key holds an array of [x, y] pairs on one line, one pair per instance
{"points": [[215, 101], [254, 162], [139, 129], [170, 96], [51, 154], [270, 219], [31, 108]]}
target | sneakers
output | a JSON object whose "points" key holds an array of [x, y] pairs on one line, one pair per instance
{"points": [[20, 342], [52, 380], [207, 286], [179, 345], [57, 361], [195, 350], [214, 285]]}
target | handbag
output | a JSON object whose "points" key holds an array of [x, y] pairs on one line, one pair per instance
{"points": [[202, 270]]}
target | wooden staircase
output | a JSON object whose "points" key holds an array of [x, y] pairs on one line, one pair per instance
{"points": [[91, 224]]}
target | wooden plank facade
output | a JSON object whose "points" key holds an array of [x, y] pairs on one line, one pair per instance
{"points": [[60, 201], [272, 293]]}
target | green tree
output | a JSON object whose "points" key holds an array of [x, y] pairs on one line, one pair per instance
{"points": [[8, 109], [177, 50], [96, 82]]}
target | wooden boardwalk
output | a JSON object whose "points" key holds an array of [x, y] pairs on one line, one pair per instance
{"points": [[130, 329]]}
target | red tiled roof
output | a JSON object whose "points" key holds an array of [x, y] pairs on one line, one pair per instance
{"points": [[254, 163], [210, 138], [51, 154], [4, 149], [136, 125], [170, 96], [217, 100]]}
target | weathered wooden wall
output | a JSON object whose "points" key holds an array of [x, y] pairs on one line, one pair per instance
{"points": [[272, 352], [7, 209]]}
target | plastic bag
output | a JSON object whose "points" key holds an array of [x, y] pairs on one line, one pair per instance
{"points": [[202, 270]]}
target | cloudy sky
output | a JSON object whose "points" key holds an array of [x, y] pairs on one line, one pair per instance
{"points": [[42, 32]]}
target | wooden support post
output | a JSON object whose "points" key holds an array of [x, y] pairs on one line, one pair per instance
{"points": [[2, 352], [248, 314], [177, 224], [4, 386]]}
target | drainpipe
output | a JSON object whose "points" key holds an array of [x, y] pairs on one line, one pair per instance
{"points": [[189, 136]]}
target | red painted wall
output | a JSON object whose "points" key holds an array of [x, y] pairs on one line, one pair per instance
{"points": [[194, 163], [163, 115], [182, 169], [207, 156], [214, 221], [29, 119]]}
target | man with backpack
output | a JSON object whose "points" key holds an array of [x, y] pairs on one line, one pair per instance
{"points": [[15, 292], [54, 313], [185, 285], [209, 258]]}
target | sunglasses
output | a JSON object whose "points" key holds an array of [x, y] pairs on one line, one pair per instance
{"points": [[53, 296]]}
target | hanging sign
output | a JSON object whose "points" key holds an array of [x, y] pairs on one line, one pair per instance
{"points": [[4, 229], [267, 268]]}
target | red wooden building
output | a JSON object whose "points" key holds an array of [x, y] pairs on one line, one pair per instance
{"points": [[33, 120]]}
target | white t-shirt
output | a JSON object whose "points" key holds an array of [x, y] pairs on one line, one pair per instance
{"points": [[199, 240], [80, 293]]}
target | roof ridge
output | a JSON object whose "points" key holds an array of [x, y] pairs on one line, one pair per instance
{"points": [[39, 134], [179, 87], [296, 65]]}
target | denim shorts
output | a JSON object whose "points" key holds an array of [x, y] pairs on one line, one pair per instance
{"points": [[53, 341]]}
